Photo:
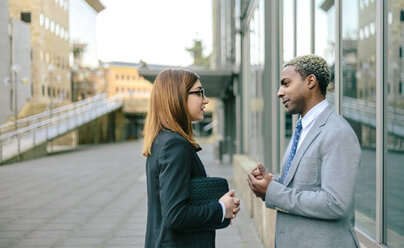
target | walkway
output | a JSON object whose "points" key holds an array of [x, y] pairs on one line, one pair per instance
{"points": [[50, 124], [93, 197]]}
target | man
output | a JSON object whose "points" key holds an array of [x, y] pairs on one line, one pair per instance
{"points": [[314, 195]]}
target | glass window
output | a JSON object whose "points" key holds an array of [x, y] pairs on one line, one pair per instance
{"points": [[62, 32], [47, 22], [303, 27], [288, 54], [288, 34], [325, 38], [41, 19], [394, 169], [57, 30], [256, 70], [26, 17], [359, 102], [52, 26]]}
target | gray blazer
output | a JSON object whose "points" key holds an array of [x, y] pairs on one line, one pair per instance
{"points": [[316, 203]]}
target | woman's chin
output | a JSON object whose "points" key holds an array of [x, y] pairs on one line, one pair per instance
{"points": [[198, 119]]}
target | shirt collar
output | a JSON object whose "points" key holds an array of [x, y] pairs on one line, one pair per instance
{"points": [[313, 113]]}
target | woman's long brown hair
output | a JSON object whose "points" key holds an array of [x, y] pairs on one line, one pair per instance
{"points": [[168, 107]]}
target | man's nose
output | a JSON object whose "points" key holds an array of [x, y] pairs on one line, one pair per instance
{"points": [[280, 93]]}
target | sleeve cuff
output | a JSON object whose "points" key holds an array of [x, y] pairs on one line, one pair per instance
{"points": [[274, 186], [223, 210]]}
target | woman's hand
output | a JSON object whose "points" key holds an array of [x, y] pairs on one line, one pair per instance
{"points": [[237, 208], [231, 203]]}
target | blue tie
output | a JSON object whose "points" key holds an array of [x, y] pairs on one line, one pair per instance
{"points": [[293, 149]]}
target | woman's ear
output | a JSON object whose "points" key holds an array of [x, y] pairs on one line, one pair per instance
{"points": [[311, 81]]}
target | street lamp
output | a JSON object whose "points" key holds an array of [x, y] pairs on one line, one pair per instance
{"points": [[73, 83], [50, 69], [15, 68]]}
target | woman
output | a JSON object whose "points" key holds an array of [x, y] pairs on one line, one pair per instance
{"points": [[177, 99]]}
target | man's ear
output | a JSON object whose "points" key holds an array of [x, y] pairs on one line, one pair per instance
{"points": [[311, 81]]}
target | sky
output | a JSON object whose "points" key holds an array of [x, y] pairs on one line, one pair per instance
{"points": [[155, 31]]}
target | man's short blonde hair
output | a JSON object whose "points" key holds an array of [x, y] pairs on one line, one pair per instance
{"points": [[312, 64]]}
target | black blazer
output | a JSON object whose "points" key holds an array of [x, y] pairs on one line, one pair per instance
{"points": [[171, 221]]}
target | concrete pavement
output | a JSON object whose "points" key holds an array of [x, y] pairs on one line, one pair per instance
{"points": [[93, 197]]}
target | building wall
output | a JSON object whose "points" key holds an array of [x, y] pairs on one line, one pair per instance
{"points": [[50, 46], [15, 89], [126, 80], [4, 62], [21, 53], [82, 23], [223, 40]]}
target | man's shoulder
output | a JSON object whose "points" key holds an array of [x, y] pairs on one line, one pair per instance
{"points": [[338, 127], [338, 122]]}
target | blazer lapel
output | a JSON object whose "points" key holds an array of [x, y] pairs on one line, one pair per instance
{"points": [[201, 168], [285, 158], [311, 135]]}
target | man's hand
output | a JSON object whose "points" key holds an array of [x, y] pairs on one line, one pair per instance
{"points": [[259, 179]]}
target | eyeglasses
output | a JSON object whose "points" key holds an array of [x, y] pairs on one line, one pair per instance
{"points": [[200, 92]]}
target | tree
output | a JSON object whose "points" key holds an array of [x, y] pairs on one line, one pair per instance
{"points": [[78, 49], [197, 52]]}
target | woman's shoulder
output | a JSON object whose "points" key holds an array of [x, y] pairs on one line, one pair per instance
{"points": [[170, 143], [167, 137]]}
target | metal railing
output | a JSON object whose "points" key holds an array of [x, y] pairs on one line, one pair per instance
{"points": [[24, 134], [365, 112]]}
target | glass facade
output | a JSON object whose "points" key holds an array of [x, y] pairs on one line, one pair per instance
{"points": [[359, 100], [288, 33], [254, 74], [345, 33], [394, 140], [303, 27], [82, 23], [324, 39], [289, 52]]}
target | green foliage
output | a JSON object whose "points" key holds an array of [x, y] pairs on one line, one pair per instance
{"points": [[197, 52]]}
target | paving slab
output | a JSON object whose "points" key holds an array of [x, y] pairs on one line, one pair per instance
{"points": [[92, 197]]}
